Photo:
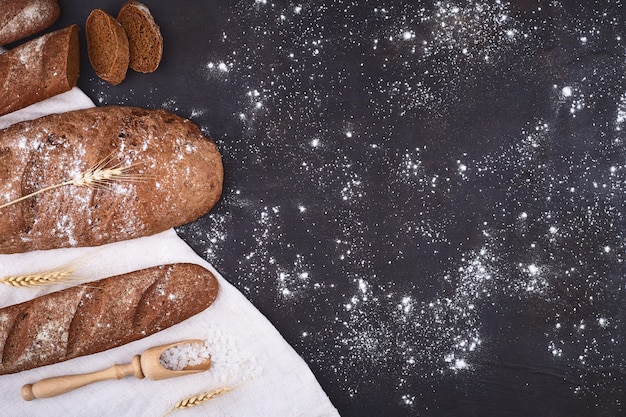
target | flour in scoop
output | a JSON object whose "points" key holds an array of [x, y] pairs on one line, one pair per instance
{"points": [[184, 355]]}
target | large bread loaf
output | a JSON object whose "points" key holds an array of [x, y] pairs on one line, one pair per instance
{"points": [[176, 177], [39, 69], [104, 314], [22, 18]]}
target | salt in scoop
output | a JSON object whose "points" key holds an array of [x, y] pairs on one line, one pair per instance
{"points": [[147, 365]]}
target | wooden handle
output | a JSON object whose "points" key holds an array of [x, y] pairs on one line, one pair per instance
{"points": [[50, 387]]}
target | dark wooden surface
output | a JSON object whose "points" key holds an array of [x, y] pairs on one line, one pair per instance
{"points": [[425, 198]]}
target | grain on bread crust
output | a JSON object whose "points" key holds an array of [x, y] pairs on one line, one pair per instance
{"points": [[144, 36], [38, 69], [179, 171], [107, 46], [22, 18], [104, 314]]}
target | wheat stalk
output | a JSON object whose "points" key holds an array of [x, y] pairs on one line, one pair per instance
{"points": [[40, 278], [199, 399], [97, 176], [78, 270]]}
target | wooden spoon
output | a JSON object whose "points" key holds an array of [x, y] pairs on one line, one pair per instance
{"points": [[145, 365]]}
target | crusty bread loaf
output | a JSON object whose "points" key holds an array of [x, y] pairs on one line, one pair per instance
{"points": [[104, 314], [107, 46], [39, 69], [177, 176], [145, 42], [22, 18]]}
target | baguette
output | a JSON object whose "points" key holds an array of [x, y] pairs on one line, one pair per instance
{"points": [[22, 18], [176, 176], [114, 311], [39, 69]]}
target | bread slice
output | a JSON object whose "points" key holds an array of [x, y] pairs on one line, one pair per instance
{"points": [[107, 46], [144, 36]]}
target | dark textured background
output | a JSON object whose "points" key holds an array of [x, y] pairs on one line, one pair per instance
{"points": [[425, 198]]}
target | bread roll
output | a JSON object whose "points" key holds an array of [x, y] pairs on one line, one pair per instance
{"points": [[39, 69], [176, 176], [22, 18], [145, 42], [104, 314], [107, 46]]}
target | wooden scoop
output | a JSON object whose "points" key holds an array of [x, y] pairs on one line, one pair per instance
{"points": [[145, 365]]}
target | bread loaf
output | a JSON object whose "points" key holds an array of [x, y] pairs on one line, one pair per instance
{"points": [[22, 18], [39, 69], [176, 176], [107, 46], [145, 42], [104, 314]]}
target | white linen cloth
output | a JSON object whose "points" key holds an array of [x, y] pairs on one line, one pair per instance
{"points": [[248, 353]]}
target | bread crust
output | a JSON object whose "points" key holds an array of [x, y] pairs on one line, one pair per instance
{"points": [[22, 18], [145, 41], [39, 69], [177, 177], [107, 46], [105, 314]]}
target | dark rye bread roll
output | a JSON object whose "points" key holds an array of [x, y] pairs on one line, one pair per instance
{"points": [[169, 175], [22, 18], [102, 315], [39, 69]]}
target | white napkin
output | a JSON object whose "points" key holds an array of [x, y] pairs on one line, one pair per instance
{"points": [[247, 352]]}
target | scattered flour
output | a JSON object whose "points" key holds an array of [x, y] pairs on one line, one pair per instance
{"points": [[434, 249]]}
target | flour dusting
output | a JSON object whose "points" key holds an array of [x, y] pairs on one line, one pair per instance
{"points": [[392, 174]]}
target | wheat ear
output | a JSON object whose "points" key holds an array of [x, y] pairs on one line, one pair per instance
{"points": [[97, 176], [199, 399], [41, 278]]}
